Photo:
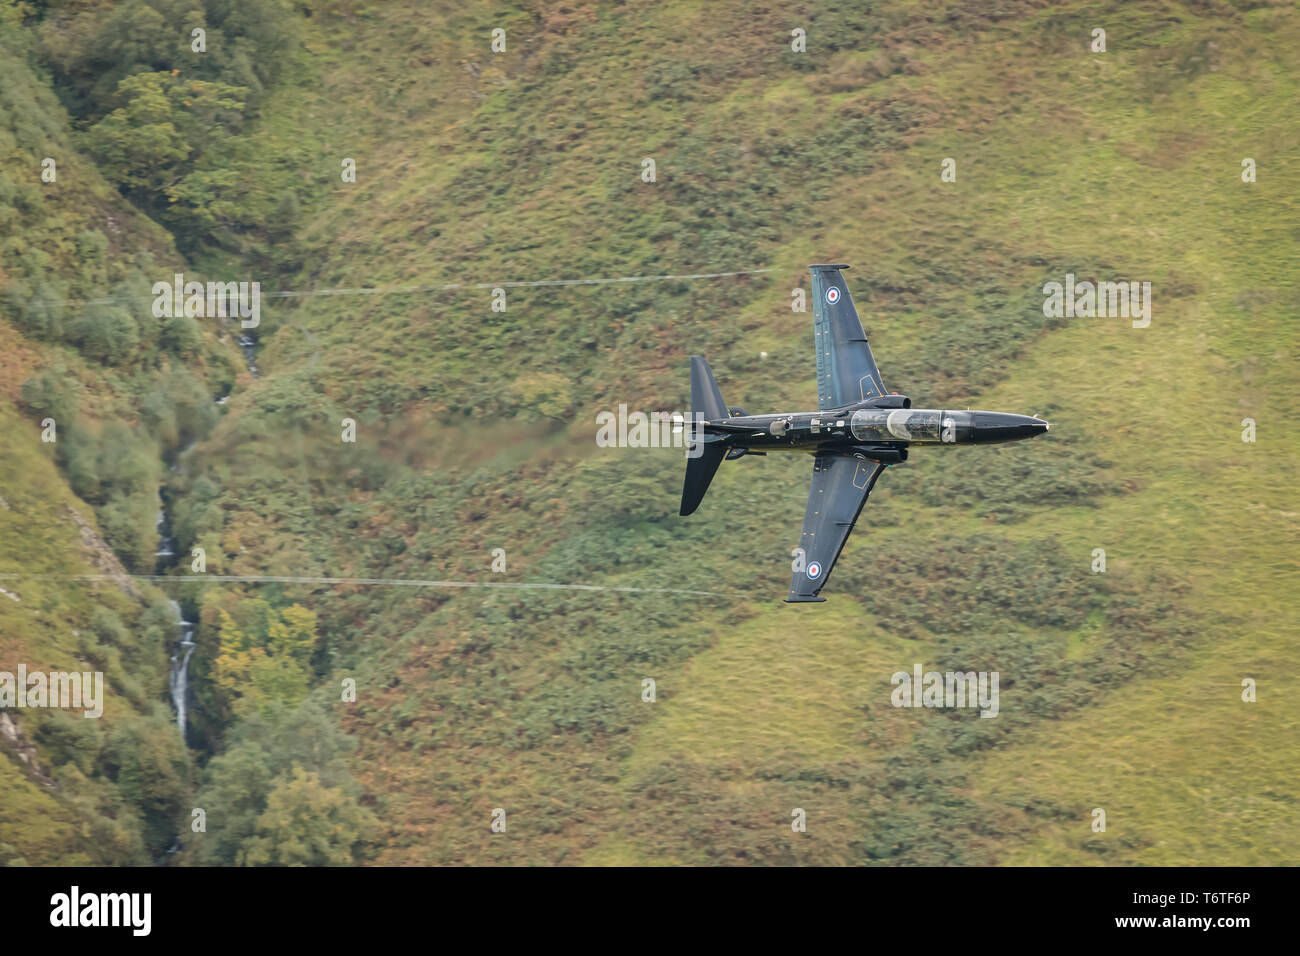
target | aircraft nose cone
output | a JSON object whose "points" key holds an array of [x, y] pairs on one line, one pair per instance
{"points": [[991, 427]]}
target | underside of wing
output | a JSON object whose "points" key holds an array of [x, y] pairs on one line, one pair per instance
{"points": [[846, 369], [840, 486]]}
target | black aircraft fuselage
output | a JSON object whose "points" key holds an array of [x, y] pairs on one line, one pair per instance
{"points": [[881, 429], [858, 430]]}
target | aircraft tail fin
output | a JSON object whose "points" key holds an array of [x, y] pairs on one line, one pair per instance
{"points": [[706, 398], [706, 403]]}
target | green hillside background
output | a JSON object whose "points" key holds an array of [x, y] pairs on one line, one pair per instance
{"points": [[475, 430]]}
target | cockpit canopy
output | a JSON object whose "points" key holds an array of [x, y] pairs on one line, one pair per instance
{"points": [[903, 424]]}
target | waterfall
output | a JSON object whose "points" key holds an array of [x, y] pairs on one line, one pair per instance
{"points": [[179, 677], [165, 551]]}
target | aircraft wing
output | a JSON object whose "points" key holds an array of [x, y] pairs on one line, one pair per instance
{"points": [[846, 369], [840, 486]]}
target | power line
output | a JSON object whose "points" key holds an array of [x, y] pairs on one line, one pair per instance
{"points": [[452, 286]]}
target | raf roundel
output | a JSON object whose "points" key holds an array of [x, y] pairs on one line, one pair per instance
{"points": [[814, 570], [832, 295]]}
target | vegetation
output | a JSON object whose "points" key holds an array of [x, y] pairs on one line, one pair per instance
{"points": [[474, 430], [281, 794]]}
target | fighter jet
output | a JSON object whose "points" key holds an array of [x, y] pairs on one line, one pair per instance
{"points": [[858, 430]]}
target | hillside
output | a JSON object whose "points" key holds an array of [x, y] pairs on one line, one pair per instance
{"points": [[475, 430]]}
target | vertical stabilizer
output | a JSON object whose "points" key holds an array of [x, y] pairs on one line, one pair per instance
{"points": [[706, 398], [699, 472]]}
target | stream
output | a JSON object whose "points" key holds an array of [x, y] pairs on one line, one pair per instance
{"points": [[178, 676]]}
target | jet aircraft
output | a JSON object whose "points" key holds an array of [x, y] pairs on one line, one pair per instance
{"points": [[858, 430]]}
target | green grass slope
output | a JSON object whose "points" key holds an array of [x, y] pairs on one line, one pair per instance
{"points": [[526, 166], [475, 428]]}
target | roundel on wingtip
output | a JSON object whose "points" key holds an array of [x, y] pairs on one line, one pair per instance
{"points": [[814, 570], [832, 295]]}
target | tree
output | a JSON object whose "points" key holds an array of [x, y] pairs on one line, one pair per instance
{"points": [[306, 823], [267, 657], [149, 762], [150, 143], [265, 748], [53, 393], [181, 336], [106, 333]]}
